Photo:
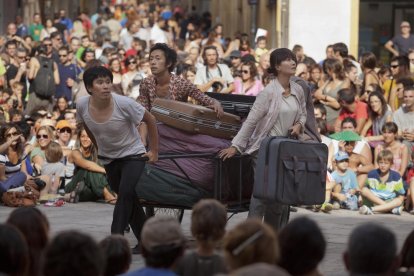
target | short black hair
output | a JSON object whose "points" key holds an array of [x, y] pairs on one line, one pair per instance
{"points": [[349, 120], [302, 246], [277, 57], [341, 48], [346, 95], [93, 73], [169, 53]]}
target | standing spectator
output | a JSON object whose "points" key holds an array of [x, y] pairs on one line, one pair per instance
{"points": [[35, 29], [214, 75], [48, 29], [351, 107], [18, 74], [59, 109], [115, 67], [115, 28], [65, 20], [248, 84], [404, 118], [329, 54], [57, 43], [126, 38], [340, 51], [102, 32], [158, 34], [315, 77], [9, 55], [400, 44], [68, 75], [22, 29], [44, 76]]}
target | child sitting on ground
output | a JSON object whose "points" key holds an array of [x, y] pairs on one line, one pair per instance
{"points": [[208, 222], [346, 181], [53, 167], [384, 191]]}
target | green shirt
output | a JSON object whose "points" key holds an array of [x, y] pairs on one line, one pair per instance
{"points": [[35, 30]]}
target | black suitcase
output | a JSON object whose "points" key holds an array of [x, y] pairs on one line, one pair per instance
{"points": [[291, 172], [239, 105]]}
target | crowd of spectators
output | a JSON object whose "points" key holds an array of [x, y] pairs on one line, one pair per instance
{"points": [[249, 248]]}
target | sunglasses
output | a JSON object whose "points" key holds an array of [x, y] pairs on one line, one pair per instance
{"points": [[9, 135], [132, 62], [65, 129], [394, 66], [245, 72], [44, 136]]}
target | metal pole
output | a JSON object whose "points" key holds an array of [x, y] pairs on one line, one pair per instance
{"points": [[253, 26]]}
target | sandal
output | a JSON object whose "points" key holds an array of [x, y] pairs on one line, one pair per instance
{"points": [[74, 195]]}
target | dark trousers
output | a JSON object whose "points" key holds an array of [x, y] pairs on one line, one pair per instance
{"points": [[123, 175]]}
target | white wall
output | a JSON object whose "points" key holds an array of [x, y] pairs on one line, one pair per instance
{"points": [[314, 24]]}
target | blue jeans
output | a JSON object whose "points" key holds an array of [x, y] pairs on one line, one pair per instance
{"points": [[123, 176], [16, 180]]}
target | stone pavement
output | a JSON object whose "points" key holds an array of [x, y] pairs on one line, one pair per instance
{"points": [[95, 219]]}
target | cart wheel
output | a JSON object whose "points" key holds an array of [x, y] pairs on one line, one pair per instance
{"points": [[176, 213]]}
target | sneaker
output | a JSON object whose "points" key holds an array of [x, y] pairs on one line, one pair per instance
{"points": [[365, 210], [412, 212], [326, 207], [316, 208], [397, 211], [336, 205]]}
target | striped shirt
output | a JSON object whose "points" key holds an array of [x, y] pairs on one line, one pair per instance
{"points": [[392, 188], [10, 168]]}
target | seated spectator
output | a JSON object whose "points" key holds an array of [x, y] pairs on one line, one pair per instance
{"points": [[208, 222], [93, 176], [379, 114], [44, 135], [236, 63], [34, 226], [73, 253], [302, 247], [52, 166], [404, 118], [14, 252], [11, 174], [346, 188], [248, 84], [320, 111], [323, 131], [250, 242], [351, 107], [131, 80], [117, 255], [262, 269], [384, 191], [409, 203], [399, 150], [162, 245], [361, 149], [407, 256], [371, 250]]}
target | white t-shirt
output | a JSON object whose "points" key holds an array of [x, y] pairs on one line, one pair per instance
{"points": [[203, 76], [157, 35], [118, 137]]}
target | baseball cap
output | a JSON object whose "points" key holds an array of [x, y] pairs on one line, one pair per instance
{"points": [[340, 155], [62, 124], [235, 53], [161, 230]]}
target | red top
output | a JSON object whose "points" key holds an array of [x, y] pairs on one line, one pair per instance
{"points": [[361, 112]]}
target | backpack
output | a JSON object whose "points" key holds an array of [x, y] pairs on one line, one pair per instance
{"points": [[44, 83]]}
